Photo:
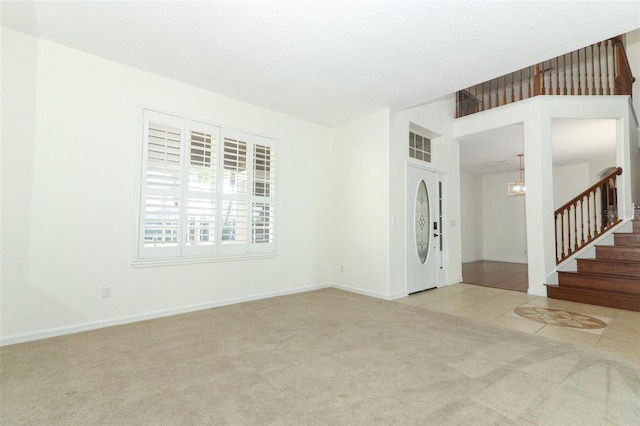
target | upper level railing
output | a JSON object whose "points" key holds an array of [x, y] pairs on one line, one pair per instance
{"points": [[585, 217], [599, 69]]}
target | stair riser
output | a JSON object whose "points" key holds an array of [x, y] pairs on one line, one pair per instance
{"points": [[626, 239], [618, 253], [611, 279], [621, 285], [605, 267], [594, 298]]}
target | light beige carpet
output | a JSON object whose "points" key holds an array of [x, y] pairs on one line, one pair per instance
{"points": [[323, 357]]}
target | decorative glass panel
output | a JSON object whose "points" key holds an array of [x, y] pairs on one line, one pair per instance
{"points": [[421, 224]]}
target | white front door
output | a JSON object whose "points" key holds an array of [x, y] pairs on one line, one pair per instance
{"points": [[423, 237]]}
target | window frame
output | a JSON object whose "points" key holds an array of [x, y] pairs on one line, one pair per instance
{"points": [[183, 252], [420, 153]]}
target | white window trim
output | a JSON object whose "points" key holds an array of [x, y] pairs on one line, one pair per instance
{"points": [[222, 252], [148, 263]]}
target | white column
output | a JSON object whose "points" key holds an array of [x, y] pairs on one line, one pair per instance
{"points": [[538, 160]]}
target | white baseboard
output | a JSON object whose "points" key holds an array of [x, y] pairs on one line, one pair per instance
{"points": [[396, 296], [363, 292], [542, 293], [60, 331]]}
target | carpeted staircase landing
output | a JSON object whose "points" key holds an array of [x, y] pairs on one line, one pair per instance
{"points": [[611, 279]]}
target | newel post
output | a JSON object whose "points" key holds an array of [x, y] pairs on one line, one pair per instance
{"points": [[623, 79]]}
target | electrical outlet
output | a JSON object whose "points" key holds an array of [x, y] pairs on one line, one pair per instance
{"points": [[106, 291], [341, 268]]}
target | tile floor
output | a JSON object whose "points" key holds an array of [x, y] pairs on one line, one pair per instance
{"points": [[496, 306]]}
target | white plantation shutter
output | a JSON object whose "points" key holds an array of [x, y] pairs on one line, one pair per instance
{"points": [[234, 206], [162, 174], [262, 225], [263, 196], [235, 173], [203, 194], [234, 222]]}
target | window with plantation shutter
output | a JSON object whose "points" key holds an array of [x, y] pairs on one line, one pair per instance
{"points": [[205, 191]]}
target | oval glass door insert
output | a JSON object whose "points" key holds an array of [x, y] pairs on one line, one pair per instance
{"points": [[422, 222]]}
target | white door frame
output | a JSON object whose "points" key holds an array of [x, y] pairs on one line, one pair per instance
{"points": [[438, 204]]}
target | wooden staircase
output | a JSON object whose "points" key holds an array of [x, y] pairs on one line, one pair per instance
{"points": [[611, 279]]}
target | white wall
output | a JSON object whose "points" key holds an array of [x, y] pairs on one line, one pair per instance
{"points": [[632, 49], [633, 55], [569, 181], [471, 217], [70, 159], [504, 227], [502, 236], [598, 165], [360, 205], [370, 157], [633, 163]]}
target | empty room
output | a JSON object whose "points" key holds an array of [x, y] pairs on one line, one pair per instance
{"points": [[265, 212]]}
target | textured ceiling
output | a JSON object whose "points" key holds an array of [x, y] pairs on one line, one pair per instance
{"points": [[325, 61], [574, 141]]}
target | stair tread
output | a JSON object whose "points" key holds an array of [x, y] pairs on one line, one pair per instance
{"points": [[594, 290], [600, 275], [633, 235], [597, 259]]}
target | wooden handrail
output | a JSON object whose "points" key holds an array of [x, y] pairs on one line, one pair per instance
{"points": [[586, 216], [616, 172], [599, 69]]}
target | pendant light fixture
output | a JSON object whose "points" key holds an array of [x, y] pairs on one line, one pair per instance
{"points": [[517, 188]]}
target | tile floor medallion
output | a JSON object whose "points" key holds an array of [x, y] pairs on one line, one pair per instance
{"points": [[561, 318]]}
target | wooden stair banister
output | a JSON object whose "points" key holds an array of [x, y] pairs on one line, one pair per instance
{"points": [[599, 69], [610, 276], [586, 216]]}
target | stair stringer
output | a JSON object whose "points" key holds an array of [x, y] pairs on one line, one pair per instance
{"points": [[589, 251]]}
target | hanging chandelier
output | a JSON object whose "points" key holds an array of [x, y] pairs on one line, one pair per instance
{"points": [[517, 188]]}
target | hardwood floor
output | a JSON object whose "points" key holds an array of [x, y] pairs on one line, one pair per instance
{"points": [[503, 275]]}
